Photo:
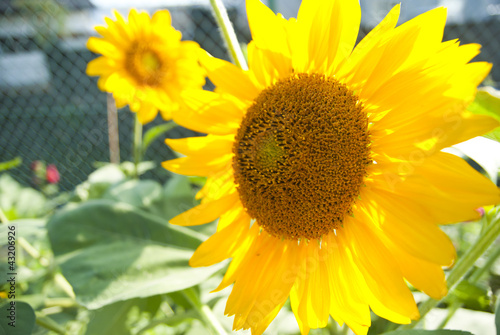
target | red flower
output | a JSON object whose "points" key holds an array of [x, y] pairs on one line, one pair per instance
{"points": [[52, 174]]}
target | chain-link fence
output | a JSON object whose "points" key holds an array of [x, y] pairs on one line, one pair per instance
{"points": [[50, 110]]}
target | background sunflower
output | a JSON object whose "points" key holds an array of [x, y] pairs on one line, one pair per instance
{"points": [[144, 63]]}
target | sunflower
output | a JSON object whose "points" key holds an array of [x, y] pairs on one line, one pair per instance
{"points": [[144, 63], [325, 167]]}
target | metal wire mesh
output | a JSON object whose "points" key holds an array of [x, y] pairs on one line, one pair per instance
{"points": [[50, 110]]}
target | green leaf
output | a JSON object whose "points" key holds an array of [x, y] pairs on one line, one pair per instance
{"points": [[113, 251], [110, 319], [30, 229], [17, 318], [108, 174], [154, 132], [129, 168], [9, 191], [30, 203], [487, 102], [178, 196], [114, 318], [99, 182], [13, 163], [428, 332], [20, 202], [139, 193], [472, 296]]}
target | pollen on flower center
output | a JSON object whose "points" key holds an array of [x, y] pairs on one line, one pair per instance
{"points": [[301, 155], [144, 64], [267, 152]]}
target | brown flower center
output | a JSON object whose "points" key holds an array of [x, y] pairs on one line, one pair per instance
{"points": [[301, 155], [144, 64]]}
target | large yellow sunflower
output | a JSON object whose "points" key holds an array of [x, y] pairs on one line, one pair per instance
{"points": [[324, 164], [144, 63]]}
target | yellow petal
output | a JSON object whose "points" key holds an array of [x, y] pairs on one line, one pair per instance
{"points": [[218, 183], [348, 303], [223, 243], [238, 258], [211, 145], [261, 327], [197, 166], [424, 276], [161, 20], [360, 64], [209, 112], [312, 287], [408, 227], [228, 77], [460, 189], [147, 112], [406, 46], [379, 269], [262, 67], [99, 45], [100, 66], [205, 212], [256, 294], [427, 135], [269, 34], [331, 29]]}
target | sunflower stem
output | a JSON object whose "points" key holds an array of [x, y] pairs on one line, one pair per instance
{"points": [[228, 34], [491, 223], [113, 135], [493, 255], [204, 311], [451, 311], [137, 146], [473, 278]]}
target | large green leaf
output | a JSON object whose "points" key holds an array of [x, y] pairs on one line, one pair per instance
{"points": [[177, 197], [16, 319], [428, 332], [487, 102], [30, 229], [112, 251], [18, 201], [139, 193], [113, 319]]}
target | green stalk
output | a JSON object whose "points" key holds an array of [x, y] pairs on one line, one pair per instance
{"points": [[451, 311], [137, 145], [473, 278], [31, 250], [456, 275], [228, 34], [493, 255], [204, 311], [44, 321]]}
